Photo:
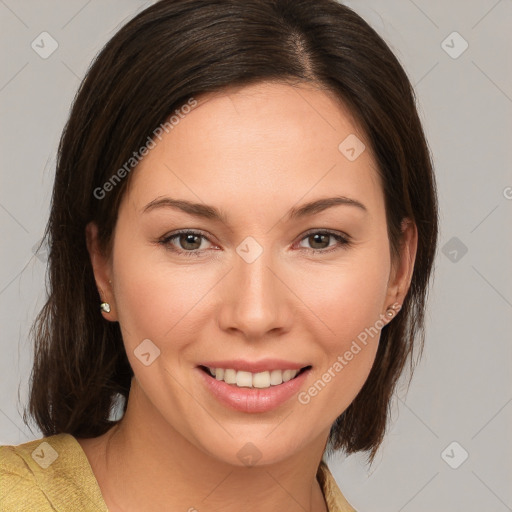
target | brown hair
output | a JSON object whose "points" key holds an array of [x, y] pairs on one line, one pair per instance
{"points": [[175, 50]]}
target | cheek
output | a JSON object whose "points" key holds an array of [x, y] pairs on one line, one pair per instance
{"points": [[349, 301], [349, 297], [155, 298]]}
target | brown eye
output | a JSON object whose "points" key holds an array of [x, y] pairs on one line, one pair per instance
{"points": [[318, 241], [186, 242], [189, 241]]}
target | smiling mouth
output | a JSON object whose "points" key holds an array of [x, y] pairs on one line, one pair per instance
{"points": [[260, 380]]}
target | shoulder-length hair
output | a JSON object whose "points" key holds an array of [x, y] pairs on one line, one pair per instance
{"points": [[169, 53]]}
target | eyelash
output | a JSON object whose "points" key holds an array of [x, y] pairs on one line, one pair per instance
{"points": [[343, 242]]}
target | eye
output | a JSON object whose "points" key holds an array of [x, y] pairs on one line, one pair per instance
{"points": [[189, 242], [319, 239]]}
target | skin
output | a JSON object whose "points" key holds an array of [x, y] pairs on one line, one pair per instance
{"points": [[254, 153]]}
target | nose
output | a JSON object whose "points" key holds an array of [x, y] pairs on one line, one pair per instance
{"points": [[256, 300]]}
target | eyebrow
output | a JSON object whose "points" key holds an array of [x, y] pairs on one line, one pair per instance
{"points": [[210, 212]]}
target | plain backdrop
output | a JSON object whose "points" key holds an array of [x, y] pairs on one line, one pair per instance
{"points": [[449, 446]]}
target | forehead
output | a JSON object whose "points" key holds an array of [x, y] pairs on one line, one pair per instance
{"points": [[260, 142], [275, 115]]}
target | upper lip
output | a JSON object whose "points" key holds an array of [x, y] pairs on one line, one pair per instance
{"points": [[262, 365]]}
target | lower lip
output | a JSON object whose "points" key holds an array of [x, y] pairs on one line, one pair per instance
{"points": [[253, 400]]}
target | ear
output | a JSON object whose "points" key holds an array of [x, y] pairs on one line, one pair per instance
{"points": [[101, 266], [402, 267]]}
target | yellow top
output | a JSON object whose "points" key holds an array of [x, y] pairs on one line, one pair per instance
{"points": [[53, 473]]}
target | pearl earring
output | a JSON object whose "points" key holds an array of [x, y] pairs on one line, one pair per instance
{"points": [[392, 311]]}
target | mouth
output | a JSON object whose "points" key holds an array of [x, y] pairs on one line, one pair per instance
{"points": [[253, 386], [258, 380]]}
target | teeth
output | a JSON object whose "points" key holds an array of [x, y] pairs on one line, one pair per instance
{"points": [[276, 377], [288, 375], [260, 380], [230, 376], [244, 379]]}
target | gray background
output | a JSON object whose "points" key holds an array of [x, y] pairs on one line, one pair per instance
{"points": [[462, 390]]}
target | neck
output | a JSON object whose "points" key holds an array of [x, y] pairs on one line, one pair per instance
{"points": [[143, 463]]}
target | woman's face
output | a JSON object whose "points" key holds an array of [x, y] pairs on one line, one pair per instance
{"points": [[262, 285]]}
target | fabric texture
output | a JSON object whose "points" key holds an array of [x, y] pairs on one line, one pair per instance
{"points": [[53, 474]]}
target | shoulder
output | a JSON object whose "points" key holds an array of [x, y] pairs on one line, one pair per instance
{"points": [[19, 468], [47, 474], [333, 497]]}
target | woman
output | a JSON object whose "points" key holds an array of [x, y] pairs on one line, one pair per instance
{"points": [[242, 231]]}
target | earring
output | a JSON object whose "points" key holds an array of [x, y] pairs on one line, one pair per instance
{"points": [[105, 307], [392, 311]]}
